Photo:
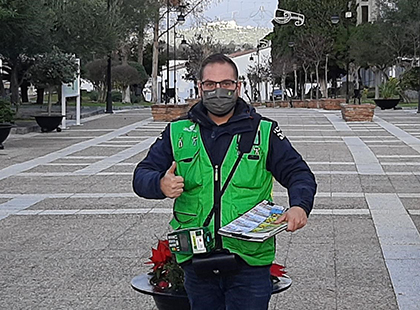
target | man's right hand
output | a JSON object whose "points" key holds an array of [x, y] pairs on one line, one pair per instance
{"points": [[171, 185]]}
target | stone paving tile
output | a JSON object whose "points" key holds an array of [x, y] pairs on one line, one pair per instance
{"points": [[126, 301], [411, 203], [125, 169], [340, 203], [405, 168], [324, 183], [416, 221], [376, 184], [319, 230], [60, 168], [399, 159], [45, 185], [400, 150], [64, 204], [346, 183], [298, 297], [405, 184]]}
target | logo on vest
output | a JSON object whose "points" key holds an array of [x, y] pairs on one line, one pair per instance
{"points": [[180, 143], [190, 129], [277, 131]]}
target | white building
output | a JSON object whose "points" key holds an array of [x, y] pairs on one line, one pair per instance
{"points": [[185, 88]]}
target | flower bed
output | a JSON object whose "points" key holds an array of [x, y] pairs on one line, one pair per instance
{"points": [[357, 112], [168, 112]]}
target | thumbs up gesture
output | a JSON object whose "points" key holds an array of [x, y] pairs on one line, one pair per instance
{"points": [[171, 185]]}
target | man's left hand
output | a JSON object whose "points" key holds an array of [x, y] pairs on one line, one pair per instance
{"points": [[295, 217]]}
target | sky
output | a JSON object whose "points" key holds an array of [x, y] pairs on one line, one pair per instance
{"points": [[244, 12]]}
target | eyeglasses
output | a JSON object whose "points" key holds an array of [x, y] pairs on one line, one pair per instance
{"points": [[226, 84]]}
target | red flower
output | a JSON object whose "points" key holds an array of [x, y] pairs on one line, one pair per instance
{"points": [[163, 284], [277, 270], [161, 255]]}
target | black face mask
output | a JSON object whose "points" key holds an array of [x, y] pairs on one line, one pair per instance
{"points": [[219, 101]]}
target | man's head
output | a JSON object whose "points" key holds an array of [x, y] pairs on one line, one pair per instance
{"points": [[219, 86]]}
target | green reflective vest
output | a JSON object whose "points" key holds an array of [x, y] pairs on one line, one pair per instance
{"points": [[250, 184]]}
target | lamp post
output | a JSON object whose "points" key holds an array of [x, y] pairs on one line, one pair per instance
{"points": [[261, 44], [335, 19], [108, 74], [292, 46], [181, 21], [167, 54]]}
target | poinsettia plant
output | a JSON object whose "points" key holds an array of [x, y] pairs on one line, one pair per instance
{"points": [[167, 275]]}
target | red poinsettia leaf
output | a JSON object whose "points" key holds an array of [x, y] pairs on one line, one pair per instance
{"points": [[163, 284], [163, 248], [277, 270]]}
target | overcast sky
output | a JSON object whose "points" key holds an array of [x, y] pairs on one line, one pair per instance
{"points": [[244, 12]]}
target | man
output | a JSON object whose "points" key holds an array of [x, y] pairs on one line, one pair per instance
{"points": [[195, 161]]}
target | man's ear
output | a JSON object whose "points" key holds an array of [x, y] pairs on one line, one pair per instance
{"points": [[200, 89], [239, 87]]}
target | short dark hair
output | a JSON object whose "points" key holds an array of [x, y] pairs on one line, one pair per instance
{"points": [[218, 58]]}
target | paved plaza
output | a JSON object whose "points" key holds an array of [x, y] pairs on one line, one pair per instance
{"points": [[73, 234]]}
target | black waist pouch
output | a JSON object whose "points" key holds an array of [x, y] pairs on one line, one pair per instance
{"points": [[215, 264]]}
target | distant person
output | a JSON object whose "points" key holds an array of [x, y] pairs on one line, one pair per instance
{"points": [[356, 86]]}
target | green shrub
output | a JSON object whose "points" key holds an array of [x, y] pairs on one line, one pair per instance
{"points": [[137, 99], [94, 95], [7, 115], [116, 96], [390, 88]]}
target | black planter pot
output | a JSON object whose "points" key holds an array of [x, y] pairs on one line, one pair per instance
{"points": [[4, 133], [163, 300], [387, 103], [49, 122], [179, 300]]}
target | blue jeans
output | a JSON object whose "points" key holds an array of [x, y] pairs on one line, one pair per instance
{"points": [[249, 288]]}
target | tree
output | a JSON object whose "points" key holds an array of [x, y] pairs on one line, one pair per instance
{"points": [[411, 80], [51, 70], [137, 16], [193, 7], [369, 50], [402, 32], [314, 47], [25, 31], [124, 76], [317, 25], [87, 28], [198, 49]]}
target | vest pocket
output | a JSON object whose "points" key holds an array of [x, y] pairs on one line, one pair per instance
{"points": [[189, 168], [250, 172], [187, 209]]}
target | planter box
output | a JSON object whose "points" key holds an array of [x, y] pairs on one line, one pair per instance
{"points": [[327, 104], [168, 112], [357, 112], [280, 104], [332, 104], [191, 102]]}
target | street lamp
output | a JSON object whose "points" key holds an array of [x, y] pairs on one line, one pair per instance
{"points": [[335, 19], [292, 46], [181, 21], [108, 74], [167, 54], [261, 44]]}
